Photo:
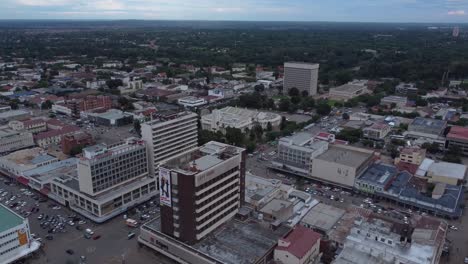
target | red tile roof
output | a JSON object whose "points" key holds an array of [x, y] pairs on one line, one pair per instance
{"points": [[56, 132], [457, 132], [409, 167], [300, 240]]}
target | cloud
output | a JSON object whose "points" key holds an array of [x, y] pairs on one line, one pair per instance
{"points": [[45, 2], [456, 13]]}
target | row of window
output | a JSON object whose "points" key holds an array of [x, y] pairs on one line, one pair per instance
{"points": [[210, 182], [7, 234], [214, 205], [9, 250], [8, 242]]}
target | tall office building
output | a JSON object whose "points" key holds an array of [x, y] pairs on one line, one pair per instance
{"points": [[103, 168], [456, 32], [169, 135], [200, 190], [301, 75]]}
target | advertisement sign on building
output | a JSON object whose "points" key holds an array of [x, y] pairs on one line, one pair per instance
{"points": [[165, 187]]}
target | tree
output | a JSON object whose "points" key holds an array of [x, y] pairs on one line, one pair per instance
{"points": [[293, 92], [46, 105], [393, 150], [349, 134], [113, 84], [259, 88], [295, 100], [251, 146], [323, 108], [234, 136], [284, 105], [269, 127], [431, 147], [305, 93], [76, 150], [258, 130], [345, 116]]}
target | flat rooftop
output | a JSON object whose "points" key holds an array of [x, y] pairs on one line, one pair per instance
{"points": [[346, 155], [323, 217], [379, 174], [457, 132], [9, 219], [236, 242], [449, 170], [29, 156], [202, 158], [349, 88]]}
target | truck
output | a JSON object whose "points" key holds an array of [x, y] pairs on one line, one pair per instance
{"points": [[131, 223]]}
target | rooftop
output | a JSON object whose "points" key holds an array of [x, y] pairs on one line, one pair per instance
{"points": [[346, 155], [323, 217], [12, 113], [111, 114], [457, 132], [28, 156], [449, 170], [349, 88], [380, 174], [9, 219], [202, 158], [56, 132], [299, 241]]}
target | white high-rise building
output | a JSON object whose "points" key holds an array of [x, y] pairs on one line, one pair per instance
{"points": [[169, 136], [301, 75]]}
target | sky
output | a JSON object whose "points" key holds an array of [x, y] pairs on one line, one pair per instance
{"points": [[254, 10]]}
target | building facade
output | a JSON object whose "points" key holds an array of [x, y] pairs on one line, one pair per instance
{"points": [[11, 140], [458, 137], [303, 76], [15, 237], [169, 135], [200, 190]]}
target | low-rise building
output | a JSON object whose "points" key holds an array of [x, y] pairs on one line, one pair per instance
{"points": [[406, 89], [295, 153], [341, 164], [377, 178], [300, 246], [260, 191], [322, 218], [17, 163], [445, 172], [412, 155], [112, 117], [45, 139], [427, 130], [13, 115], [377, 131], [30, 125], [394, 101], [349, 91], [458, 137], [78, 139], [16, 241], [12, 140], [239, 118], [191, 101]]}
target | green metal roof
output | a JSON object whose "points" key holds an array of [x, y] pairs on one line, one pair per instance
{"points": [[8, 219]]}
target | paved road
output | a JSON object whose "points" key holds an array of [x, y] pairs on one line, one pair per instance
{"points": [[112, 247]]}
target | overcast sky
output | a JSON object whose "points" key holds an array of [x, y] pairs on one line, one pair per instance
{"points": [[271, 10]]}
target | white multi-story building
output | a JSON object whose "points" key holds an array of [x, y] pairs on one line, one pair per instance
{"points": [[109, 181], [240, 118], [15, 238], [191, 101], [11, 140], [16, 163], [169, 135], [300, 75]]}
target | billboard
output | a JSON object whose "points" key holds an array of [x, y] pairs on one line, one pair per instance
{"points": [[165, 186]]}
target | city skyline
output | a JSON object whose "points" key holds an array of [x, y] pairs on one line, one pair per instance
{"points": [[433, 11]]}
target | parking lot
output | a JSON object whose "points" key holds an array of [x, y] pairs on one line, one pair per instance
{"points": [[109, 243]]}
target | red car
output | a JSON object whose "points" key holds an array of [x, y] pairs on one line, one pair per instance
{"points": [[96, 237]]}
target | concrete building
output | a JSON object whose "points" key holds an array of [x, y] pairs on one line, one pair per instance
{"points": [[16, 241], [427, 130], [239, 118], [348, 91], [377, 131], [260, 191], [109, 181], [7, 116], [406, 89], [200, 190], [412, 155], [15, 164], [341, 164], [112, 117], [398, 101], [322, 218], [12, 140], [458, 137], [30, 125], [191, 101], [300, 75], [380, 240], [445, 172], [78, 139], [300, 246], [169, 135], [377, 178], [297, 151], [277, 210]]}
